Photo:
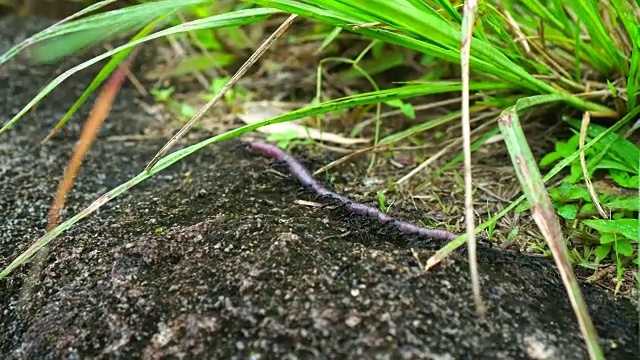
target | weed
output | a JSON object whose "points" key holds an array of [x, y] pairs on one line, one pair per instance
{"points": [[491, 228], [620, 160], [382, 202], [162, 95], [238, 94]]}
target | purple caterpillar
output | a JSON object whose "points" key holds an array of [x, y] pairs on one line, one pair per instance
{"points": [[305, 178]]}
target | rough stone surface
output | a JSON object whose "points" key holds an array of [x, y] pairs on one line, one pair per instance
{"points": [[213, 259]]}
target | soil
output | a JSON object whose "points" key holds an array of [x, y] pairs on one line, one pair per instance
{"points": [[217, 258]]}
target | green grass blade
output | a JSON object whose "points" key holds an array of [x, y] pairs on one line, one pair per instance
{"points": [[105, 72], [428, 34], [458, 158], [545, 14], [633, 81], [625, 12], [446, 5], [236, 18], [74, 36], [496, 22], [557, 8], [427, 125], [593, 51], [587, 10], [436, 29], [424, 126], [577, 60], [44, 34], [442, 41]]}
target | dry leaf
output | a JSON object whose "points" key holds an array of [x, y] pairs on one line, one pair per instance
{"points": [[254, 112]]}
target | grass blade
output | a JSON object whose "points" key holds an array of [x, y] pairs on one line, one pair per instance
{"points": [[428, 34], [77, 35], [102, 75], [545, 14], [446, 5], [592, 20], [236, 18], [458, 158], [42, 35], [228, 85], [633, 82], [546, 218]]}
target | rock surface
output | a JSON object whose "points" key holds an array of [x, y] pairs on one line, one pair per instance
{"points": [[213, 259]]}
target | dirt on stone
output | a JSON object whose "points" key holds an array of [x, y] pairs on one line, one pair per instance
{"points": [[215, 258]]}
